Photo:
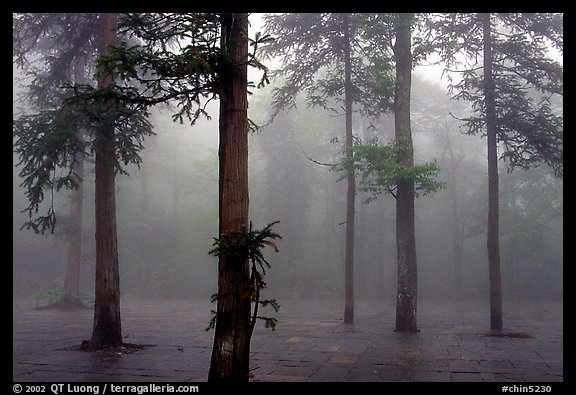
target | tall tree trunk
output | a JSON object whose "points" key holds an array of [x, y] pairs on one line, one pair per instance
{"points": [[493, 232], [107, 331], [383, 290], [508, 214], [145, 189], [231, 350], [457, 243], [351, 191], [405, 237], [74, 254]]}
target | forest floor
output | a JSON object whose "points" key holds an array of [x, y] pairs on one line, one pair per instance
{"points": [[310, 343]]}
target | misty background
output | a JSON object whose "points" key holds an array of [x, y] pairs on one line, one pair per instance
{"points": [[167, 212]]}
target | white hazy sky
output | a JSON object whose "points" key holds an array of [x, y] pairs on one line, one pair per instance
{"points": [[428, 72]]}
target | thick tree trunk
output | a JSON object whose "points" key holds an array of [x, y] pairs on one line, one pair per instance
{"points": [[493, 233], [107, 331], [351, 192], [231, 350], [74, 255], [405, 233]]}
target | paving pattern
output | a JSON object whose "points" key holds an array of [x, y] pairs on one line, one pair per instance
{"points": [[310, 344]]}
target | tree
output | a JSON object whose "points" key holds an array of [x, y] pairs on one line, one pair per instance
{"points": [[431, 115], [314, 44], [350, 179], [405, 234], [382, 168], [493, 232], [231, 351], [326, 48], [390, 168], [74, 254], [239, 281], [48, 143], [191, 59], [514, 53], [35, 34], [107, 330], [531, 213], [275, 150]]}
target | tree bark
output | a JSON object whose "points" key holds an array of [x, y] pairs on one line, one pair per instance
{"points": [[107, 331], [405, 234], [351, 191], [457, 237], [493, 232], [231, 349], [74, 254]]}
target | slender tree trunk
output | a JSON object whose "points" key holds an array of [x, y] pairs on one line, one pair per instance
{"points": [[351, 192], [107, 331], [74, 255], [405, 236], [145, 188], [231, 350], [457, 245], [383, 290], [508, 214], [493, 204]]}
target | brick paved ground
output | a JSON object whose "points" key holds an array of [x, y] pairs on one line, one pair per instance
{"points": [[310, 344]]}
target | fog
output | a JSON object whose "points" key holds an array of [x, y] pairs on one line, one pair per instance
{"points": [[167, 213]]}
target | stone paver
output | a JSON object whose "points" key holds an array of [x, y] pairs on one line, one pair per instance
{"points": [[310, 344]]}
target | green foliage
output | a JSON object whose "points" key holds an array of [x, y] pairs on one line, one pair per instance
{"points": [[47, 138], [91, 298], [269, 322], [248, 244], [311, 47], [176, 60], [380, 171], [163, 58], [59, 294], [531, 230], [526, 80], [97, 107], [212, 323], [51, 295], [52, 49], [67, 109], [48, 141], [163, 278]]}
